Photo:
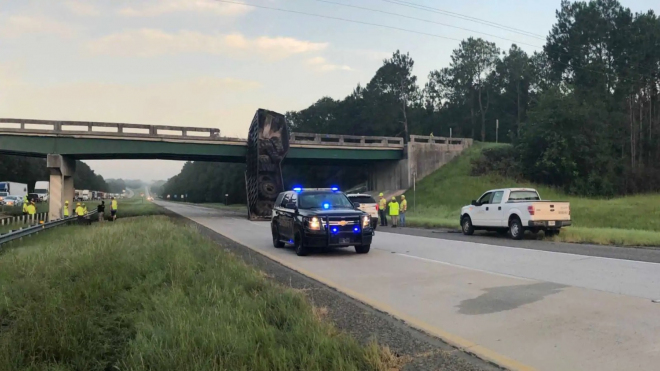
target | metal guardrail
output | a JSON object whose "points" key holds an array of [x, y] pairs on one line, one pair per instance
{"points": [[440, 140], [24, 232]]}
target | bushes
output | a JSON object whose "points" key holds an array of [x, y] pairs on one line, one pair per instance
{"points": [[500, 160]]}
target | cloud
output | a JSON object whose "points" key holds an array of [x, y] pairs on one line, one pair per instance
{"points": [[160, 7], [17, 25], [322, 65], [153, 42], [202, 101], [78, 7]]}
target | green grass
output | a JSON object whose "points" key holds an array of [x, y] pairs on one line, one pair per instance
{"points": [[633, 220], [148, 294]]}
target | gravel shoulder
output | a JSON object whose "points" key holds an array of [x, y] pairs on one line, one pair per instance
{"points": [[643, 254], [418, 350]]}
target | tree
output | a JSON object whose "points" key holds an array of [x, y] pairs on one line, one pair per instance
{"points": [[395, 80], [469, 78]]}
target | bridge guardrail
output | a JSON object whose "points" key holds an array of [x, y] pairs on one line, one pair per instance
{"points": [[345, 140], [110, 129], [24, 232], [440, 140]]}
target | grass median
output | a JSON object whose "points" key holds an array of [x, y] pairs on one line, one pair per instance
{"points": [[624, 221], [150, 294]]}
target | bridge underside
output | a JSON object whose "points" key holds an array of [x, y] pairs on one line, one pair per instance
{"points": [[229, 151]]}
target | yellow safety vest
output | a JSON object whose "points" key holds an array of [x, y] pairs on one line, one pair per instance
{"points": [[394, 208], [80, 211], [114, 204], [66, 210], [25, 204], [404, 206], [31, 210], [382, 204]]}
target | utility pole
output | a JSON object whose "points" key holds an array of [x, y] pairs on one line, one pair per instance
{"points": [[497, 130], [415, 191]]}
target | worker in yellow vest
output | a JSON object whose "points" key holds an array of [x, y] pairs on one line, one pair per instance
{"points": [[31, 209], [113, 209], [25, 204], [382, 210], [80, 213], [403, 207], [394, 212], [65, 212]]}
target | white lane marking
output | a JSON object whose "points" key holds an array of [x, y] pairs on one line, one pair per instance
{"points": [[532, 250], [466, 267]]}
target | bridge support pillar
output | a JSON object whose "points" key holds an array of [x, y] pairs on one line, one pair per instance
{"points": [[61, 188]]}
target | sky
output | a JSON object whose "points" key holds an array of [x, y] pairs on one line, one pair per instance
{"points": [[208, 63]]}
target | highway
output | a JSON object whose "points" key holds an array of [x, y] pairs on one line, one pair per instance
{"points": [[523, 309]]}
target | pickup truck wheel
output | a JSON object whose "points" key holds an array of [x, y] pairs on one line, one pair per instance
{"points": [[276, 238], [466, 226], [516, 229], [362, 249], [301, 249]]}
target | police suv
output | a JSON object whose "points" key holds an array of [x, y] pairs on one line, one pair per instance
{"points": [[319, 218]]}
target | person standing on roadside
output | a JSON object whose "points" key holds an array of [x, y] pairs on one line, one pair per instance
{"points": [[403, 207], [113, 209], [394, 212], [101, 211], [80, 213], [382, 210], [31, 209], [25, 205], [65, 211]]}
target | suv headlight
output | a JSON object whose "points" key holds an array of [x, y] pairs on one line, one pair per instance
{"points": [[314, 223], [366, 221]]}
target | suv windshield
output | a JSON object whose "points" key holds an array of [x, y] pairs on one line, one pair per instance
{"points": [[363, 199], [316, 200], [524, 196]]}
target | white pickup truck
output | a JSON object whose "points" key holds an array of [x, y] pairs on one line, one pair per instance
{"points": [[513, 211]]}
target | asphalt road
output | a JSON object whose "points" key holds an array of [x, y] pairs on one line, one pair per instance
{"points": [[522, 308]]}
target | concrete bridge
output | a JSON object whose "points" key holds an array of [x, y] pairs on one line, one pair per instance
{"points": [[390, 163]]}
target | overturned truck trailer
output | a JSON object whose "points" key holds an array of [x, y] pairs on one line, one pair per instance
{"points": [[267, 145]]}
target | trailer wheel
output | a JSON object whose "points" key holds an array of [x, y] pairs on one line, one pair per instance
{"points": [[268, 189]]}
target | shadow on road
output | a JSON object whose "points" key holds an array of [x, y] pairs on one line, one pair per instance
{"points": [[504, 298]]}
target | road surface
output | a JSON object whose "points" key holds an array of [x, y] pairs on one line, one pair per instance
{"points": [[523, 309]]}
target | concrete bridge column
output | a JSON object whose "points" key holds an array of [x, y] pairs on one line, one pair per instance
{"points": [[62, 170]]}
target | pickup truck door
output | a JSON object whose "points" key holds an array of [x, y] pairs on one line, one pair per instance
{"points": [[494, 213], [479, 217]]}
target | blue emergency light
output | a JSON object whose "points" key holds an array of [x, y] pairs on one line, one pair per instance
{"points": [[298, 189], [334, 230], [326, 205], [356, 229], [334, 189]]}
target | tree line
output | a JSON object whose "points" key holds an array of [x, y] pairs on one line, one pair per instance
{"points": [[29, 170], [581, 114]]}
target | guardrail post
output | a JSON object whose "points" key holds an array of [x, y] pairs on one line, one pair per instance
{"points": [[120, 128], [317, 138], [153, 130], [57, 126]]}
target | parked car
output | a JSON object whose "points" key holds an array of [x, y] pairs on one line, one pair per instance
{"points": [[514, 211], [12, 201], [367, 204]]}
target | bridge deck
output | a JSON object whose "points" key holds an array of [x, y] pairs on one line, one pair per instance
{"points": [[101, 140]]}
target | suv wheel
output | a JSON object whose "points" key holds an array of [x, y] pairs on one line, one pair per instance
{"points": [[276, 238], [516, 229], [466, 226], [362, 249], [301, 249]]}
